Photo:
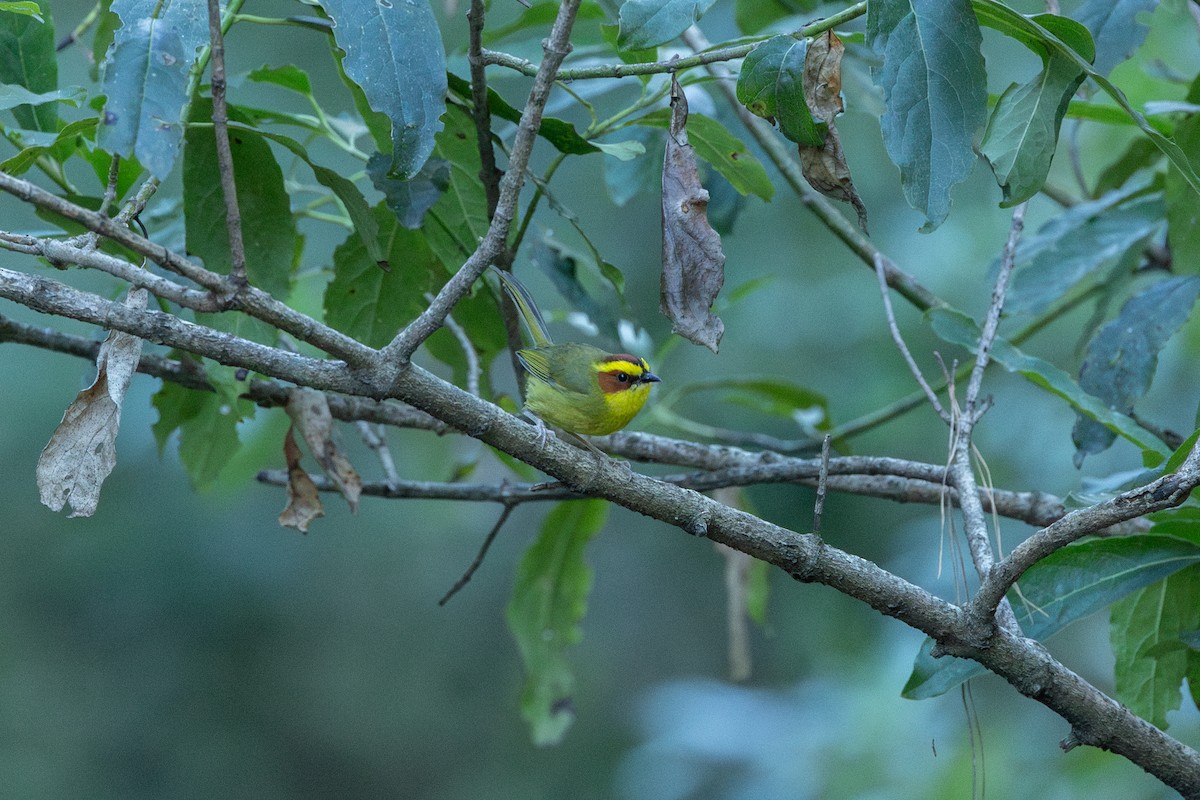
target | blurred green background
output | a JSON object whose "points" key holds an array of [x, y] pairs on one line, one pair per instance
{"points": [[182, 644]]}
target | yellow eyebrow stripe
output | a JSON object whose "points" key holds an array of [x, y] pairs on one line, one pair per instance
{"points": [[619, 365]]}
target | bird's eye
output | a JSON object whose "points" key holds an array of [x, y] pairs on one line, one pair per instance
{"points": [[622, 377]]}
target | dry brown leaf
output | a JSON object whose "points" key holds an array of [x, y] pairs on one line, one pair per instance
{"points": [[693, 263], [304, 501], [83, 449], [309, 410], [825, 168]]}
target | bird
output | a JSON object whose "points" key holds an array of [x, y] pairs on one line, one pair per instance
{"points": [[576, 387]]}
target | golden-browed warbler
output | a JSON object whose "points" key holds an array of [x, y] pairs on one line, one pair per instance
{"points": [[577, 387]]}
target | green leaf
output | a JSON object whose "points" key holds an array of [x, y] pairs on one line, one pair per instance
{"points": [[484, 325], [727, 154], [549, 601], [28, 59], [1123, 355], [537, 17], [146, 79], [1115, 28], [611, 33], [625, 180], [370, 304], [288, 76], [957, 328], [207, 422], [394, 52], [361, 215], [1067, 585], [12, 96], [771, 85], [625, 150], [25, 7], [557, 132], [1182, 522], [410, 199], [1022, 134], [378, 124], [758, 591], [459, 219], [1151, 660], [649, 23], [752, 16], [1028, 31], [72, 135], [1183, 209], [1140, 154], [778, 398], [561, 264], [1088, 239], [268, 228], [935, 90]]}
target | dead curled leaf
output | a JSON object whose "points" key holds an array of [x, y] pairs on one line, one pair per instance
{"points": [[309, 410], [304, 501], [83, 449], [825, 167], [693, 262]]}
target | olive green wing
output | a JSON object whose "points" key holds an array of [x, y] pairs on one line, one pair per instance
{"points": [[567, 367]]}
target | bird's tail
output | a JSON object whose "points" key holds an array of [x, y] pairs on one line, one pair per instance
{"points": [[521, 297]]}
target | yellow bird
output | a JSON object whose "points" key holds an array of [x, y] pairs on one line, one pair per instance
{"points": [[577, 387]]}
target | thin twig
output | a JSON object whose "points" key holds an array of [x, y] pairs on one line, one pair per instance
{"points": [[74, 36], [822, 483], [480, 112], [220, 118], [991, 324], [930, 395], [487, 543], [526, 67], [468, 348], [110, 188], [975, 526], [376, 439]]}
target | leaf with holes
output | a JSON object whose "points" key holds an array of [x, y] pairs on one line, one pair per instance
{"points": [[146, 79]]}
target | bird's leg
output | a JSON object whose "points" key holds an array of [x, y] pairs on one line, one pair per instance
{"points": [[545, 434]]}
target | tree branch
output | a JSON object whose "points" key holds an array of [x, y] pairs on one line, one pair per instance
{"points": [[1095, 718], [220, 119], [52, 297], [253, 301], [1166, 492], [526, 67], [480, 112], [975, 521], [890, 315]]}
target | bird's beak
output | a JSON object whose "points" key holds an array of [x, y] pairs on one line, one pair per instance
{"points": [[649, 377]]}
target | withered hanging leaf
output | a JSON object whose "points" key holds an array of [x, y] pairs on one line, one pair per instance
{"points": [[825, 167], [309, 410], [693, 263], [82, 451], [304, 501]]}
